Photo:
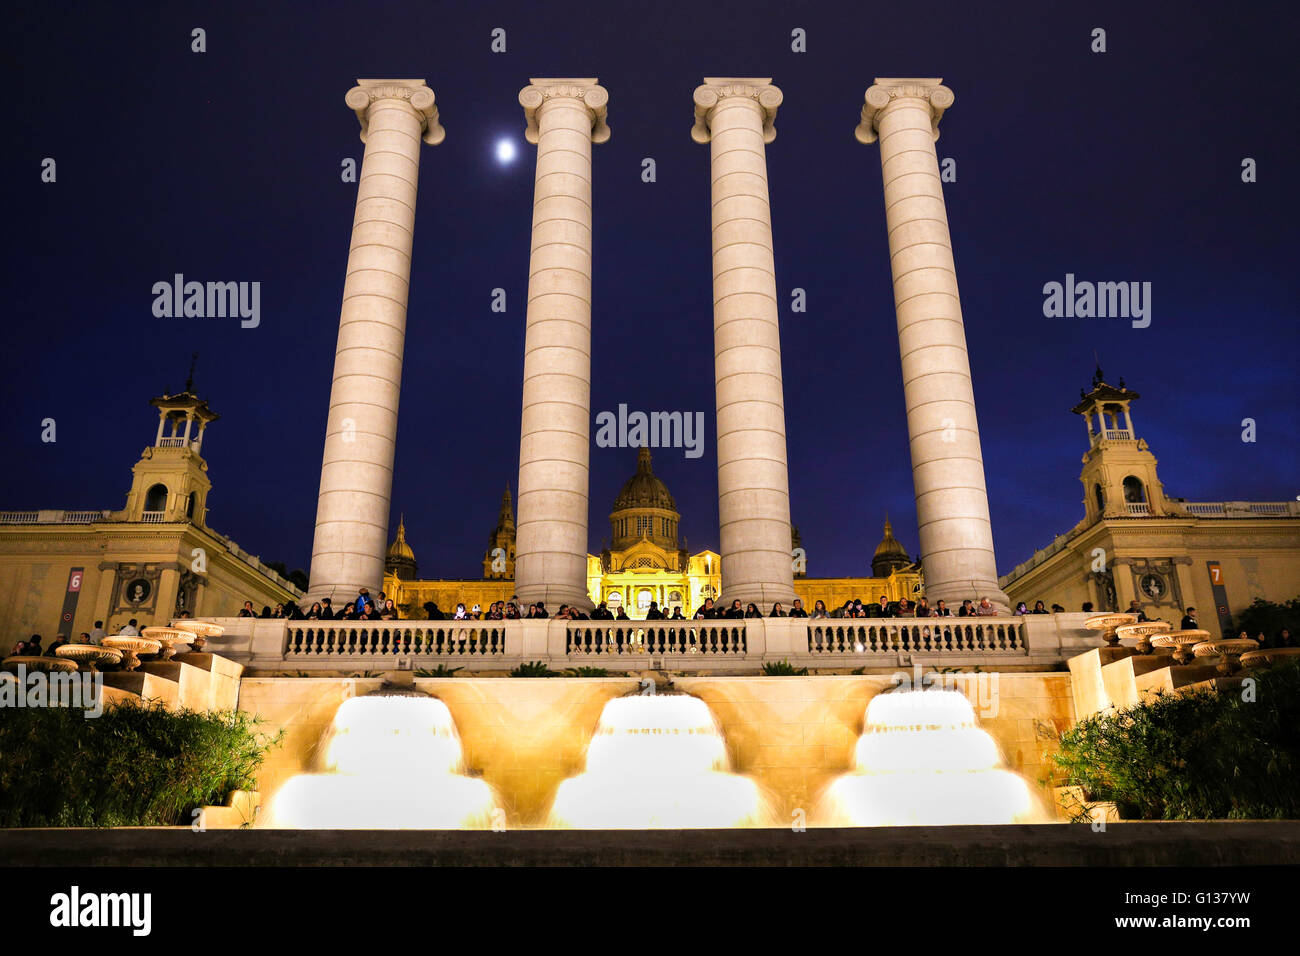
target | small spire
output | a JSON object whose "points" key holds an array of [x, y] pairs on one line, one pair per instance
{"points": [[643, 459], [189, 381]]}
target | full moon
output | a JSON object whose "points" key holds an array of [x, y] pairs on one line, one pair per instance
{"points": [[505, 151]]}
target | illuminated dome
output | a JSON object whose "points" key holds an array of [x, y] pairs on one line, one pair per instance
{"points": [[644, 489], [401, 559], [644, 509], [890, 554]]}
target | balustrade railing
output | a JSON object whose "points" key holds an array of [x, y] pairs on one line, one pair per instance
{"points": [[615, 640], [918, 636], [394, 639], [636, 645]]}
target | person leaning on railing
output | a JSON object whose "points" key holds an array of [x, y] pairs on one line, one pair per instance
{"points": [[819, 609], [706, 612], [985, 609], [796, 609]]}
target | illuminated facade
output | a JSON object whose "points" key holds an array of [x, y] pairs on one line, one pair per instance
{"points": [[1137, 543], [152, 560], [644, 563]]}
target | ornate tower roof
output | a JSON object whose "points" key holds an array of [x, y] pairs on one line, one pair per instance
{"points": [[890, 554], [499, 559]]}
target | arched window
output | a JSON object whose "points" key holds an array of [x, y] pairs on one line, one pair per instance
{"points": [[155, 499], [1134, 493], [1101, 497]]}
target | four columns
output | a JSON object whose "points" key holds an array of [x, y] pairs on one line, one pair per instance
{"points": [[356, 478], [735, 117], [564, 116], [952, 506]]}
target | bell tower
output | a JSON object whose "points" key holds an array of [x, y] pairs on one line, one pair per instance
{"points": [[499, 559], [1119, 472], [170, 481]]}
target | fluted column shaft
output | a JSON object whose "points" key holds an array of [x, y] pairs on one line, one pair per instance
{"points": [[735, 116], [565, 116], [952, 506], [361, 431]]}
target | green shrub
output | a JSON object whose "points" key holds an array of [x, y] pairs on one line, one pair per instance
{"points": [[783, 669], [442, 670], [134, 765], [585, 672], [533, 669], [1196, 756]]}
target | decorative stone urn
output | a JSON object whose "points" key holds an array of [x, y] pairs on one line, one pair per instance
{"points": [[1143, 632], [131, 648], [1182, 643], [34, 663], [1268, 655], [201, 630], [1106, 623], [90, 655], [169, 637], [1228, 651]]}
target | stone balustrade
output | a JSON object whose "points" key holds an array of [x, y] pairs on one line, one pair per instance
{"points": [[1041, 642]]}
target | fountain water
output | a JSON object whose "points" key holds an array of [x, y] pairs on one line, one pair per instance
{"points": [[396, 763], [658, 762], [922, 759]]}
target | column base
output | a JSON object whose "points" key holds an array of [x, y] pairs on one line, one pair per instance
{"points": [[954, 594], [340, 595], [764, 595], [552, 595]]}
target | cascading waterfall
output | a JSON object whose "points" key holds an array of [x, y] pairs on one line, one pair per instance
{"points": [[658, 762], [922, 759], [395, 762]]}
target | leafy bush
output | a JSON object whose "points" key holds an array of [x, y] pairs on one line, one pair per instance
{"points": [[533, 669], [1269, 618], [1196, 756], [442, 670], [585, 672], [783, 669], [134, 765]]}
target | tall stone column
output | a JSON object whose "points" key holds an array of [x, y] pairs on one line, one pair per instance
{"points": [[356, 478], [952, 505], [735, 116], [564, 116]]}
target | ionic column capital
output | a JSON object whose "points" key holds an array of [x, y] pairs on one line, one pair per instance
{"points": [[888, 89], [415, 93], [759, 90], [586, 90]]}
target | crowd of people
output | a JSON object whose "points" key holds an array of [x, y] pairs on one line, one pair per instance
{"points": [[34, 646], [382, 608]]}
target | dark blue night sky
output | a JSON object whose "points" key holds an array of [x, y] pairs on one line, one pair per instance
{"points": [[1120, 166]]}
